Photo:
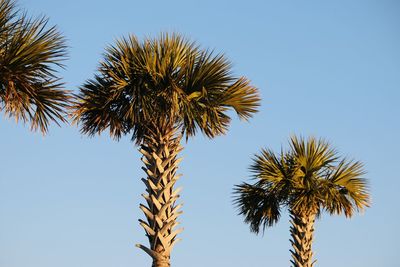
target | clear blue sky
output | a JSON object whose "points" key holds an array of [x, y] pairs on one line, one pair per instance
{"points": [[327, 68]]}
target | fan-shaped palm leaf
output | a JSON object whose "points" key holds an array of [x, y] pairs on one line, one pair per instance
{"points": [[29, 53]]}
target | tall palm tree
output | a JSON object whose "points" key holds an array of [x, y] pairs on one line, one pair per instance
{"points": [[29, 52], [307, 179], [158, 91]]}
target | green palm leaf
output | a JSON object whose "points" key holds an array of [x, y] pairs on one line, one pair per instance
{"points": [[29, 54]]}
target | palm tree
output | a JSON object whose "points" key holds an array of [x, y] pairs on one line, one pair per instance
{"points": [[308, 179], [159, 91], [29, 53]]}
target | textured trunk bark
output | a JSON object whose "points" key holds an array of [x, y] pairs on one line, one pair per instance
{"points": [[160, 149], [302, 233], [161, 263]]}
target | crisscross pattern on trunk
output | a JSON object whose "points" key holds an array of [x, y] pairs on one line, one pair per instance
{"points": [[302, 233], [160, 149]]}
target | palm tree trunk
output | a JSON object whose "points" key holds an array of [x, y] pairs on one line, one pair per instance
{"points": [[160, 149], [302, 233]]}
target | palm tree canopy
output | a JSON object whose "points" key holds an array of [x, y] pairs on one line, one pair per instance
{"points": [[29, 54], [308, 176], [167, 80]]}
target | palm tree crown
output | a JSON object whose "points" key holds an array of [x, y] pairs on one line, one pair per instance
{"points": [[307, 179], [309, 176], [167, 80], [29, 52]]}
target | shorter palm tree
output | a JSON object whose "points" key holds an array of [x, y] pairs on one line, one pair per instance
{"points": [[29, 52], [307, 179]]}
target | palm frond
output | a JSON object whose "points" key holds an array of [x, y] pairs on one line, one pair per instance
{"points": [[271, 168], [260, 208], [30, 52], [242, 97], [312, 154], [8, 13], [346, 189]]}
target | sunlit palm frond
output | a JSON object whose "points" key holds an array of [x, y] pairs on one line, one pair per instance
{"points": [[206, 77], [29, 54], [272, 168], [242, 97], [312, 154], [8, 12], [346, 190]]}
